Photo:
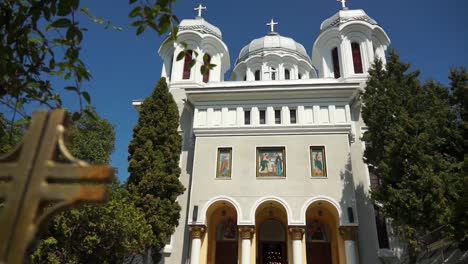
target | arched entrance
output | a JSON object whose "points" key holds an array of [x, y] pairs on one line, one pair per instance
{"points": [[222, 233], [321, 234], [271, 233]]}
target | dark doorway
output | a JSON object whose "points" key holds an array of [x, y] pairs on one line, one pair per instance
{"points": [[273, 252], [226, 252], [319, 253]]}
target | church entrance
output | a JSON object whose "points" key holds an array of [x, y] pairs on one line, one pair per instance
{"points": [[272, 244], [226, 242], [321, 234]]}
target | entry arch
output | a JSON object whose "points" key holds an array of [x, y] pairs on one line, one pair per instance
{"points": [[217, 199], [271, 198]]}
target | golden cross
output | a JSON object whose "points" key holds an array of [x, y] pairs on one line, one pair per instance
{"points": [[32, 175]]}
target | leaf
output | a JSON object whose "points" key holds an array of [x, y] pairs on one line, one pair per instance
{"points": [[192, 63], [76, 116], [206, 58], [71, 88], [132, 1], [181, 55], [135, 12], [140, 30], [86, 97], [61, 23], [184, 44]]}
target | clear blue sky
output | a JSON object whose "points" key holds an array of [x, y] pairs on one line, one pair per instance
{"points": [[431, 35]]}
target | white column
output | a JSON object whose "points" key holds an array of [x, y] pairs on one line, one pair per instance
{"points": [[297, 233], [350, 250], [348, 234], [197, 232], [270, 115], [240, 116], [246, 235]]}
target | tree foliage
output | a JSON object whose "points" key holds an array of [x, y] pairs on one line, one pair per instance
{"points": [[154, 164], [43, 39], [413, 146], [95, 233]]}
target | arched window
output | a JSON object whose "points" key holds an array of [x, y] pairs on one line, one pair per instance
{"points": [[357, 61], [187, 59], [273, 73], [336, 63], [206, 62], [287, 74], [257, 75]]}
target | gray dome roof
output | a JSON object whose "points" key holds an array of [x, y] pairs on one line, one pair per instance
{"points": [[271, 42], [200, 25]]}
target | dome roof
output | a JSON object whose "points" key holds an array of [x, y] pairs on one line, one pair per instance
{"points": [[346, 16], [200, 25], [273, 42]]}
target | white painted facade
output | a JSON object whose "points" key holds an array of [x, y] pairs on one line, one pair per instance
{"points": [[310, 106]]}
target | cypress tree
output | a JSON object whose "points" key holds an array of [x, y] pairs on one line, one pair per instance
{"points": [[411, 137], [154, 153]]}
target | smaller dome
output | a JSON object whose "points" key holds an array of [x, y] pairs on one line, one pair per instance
{"points": [[345, 16], [200, 25], [273, 42]]}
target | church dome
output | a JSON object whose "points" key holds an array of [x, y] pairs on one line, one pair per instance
{"points": [[273, 42], [200, 25], [346, 16]]}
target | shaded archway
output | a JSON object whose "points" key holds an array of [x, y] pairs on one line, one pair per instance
{"points": [[323, 243], [222, 235], [272, 239]]}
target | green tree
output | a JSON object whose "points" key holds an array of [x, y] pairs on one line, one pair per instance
{"points": [[154, 164], [412, 141], [459, 87], [95, 233]]}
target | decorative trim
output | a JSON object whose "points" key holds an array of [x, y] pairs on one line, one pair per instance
{"points": [[343, 20], [200, 28], [297, 232], [246, 232], [213, 200], [275, 199], [272, 130], [197, 231], [263, 52]]}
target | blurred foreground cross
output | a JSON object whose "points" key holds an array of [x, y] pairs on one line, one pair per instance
{"points": [[38, 172]]}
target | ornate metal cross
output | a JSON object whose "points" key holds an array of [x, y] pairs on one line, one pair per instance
{"points": [[272, 25], [200, 8], [39, 171], [343, 4]]}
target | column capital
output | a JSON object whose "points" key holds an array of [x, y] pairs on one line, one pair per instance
{"points": [[246, 232], [197, 231], [348, 232], [297, 232]]}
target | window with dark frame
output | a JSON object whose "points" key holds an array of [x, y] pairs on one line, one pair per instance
{"points": [[206, 76], [257, 75], [381, 226], [357, 60], [336, 63], [187, 69], [262, 117], [292, 116], [287, 74], [277, 116], [247, 117], [273, 73]]}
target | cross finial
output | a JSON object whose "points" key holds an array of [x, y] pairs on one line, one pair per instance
{"points": [[200, 8], [272, 25], [343, 4]]}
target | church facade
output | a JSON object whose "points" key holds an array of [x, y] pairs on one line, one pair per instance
{"points": [[272, 159]]}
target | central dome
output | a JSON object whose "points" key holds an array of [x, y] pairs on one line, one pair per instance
{"points": [[273, 42]]}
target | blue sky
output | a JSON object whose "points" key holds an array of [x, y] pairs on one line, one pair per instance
{"points": [[431, 35]]}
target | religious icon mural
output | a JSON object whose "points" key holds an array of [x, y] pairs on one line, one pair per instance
{"points": [[223, 168], [317, 231], [271, 162], [317, 161]]}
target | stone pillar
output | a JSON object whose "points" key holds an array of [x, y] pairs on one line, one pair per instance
{"points": [[246, 236], [348, 233], [296, 235], [197, 233]]}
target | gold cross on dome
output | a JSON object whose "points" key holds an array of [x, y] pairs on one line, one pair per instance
{"points": [[343, 4], [272, 25], [200, 8], [40, 178]]}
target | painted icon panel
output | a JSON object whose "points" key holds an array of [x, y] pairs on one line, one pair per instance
{"points": [[271, 162], [317, 162], [224, 163]]}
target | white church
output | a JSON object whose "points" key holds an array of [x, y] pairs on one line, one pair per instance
{"points": [[272, 159]]}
